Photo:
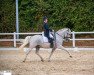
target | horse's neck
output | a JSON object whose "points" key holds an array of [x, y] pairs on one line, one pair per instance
{"points": [[59, 38], [60, 35]]}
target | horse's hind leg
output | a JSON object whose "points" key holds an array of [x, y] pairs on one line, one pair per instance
{"points": [[26, 55], [37, 52], [22, 46], [27, 52], [25, 58]]}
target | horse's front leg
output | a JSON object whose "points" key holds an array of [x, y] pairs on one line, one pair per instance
{"points": [[61, 47], [51, 54]]}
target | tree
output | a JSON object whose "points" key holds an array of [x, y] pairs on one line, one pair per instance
{"points": [[78, 15]]}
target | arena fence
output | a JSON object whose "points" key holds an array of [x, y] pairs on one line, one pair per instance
{"points": [[73, 39]]}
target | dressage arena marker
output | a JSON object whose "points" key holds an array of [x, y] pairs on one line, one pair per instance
{"points": [[6, 72]]}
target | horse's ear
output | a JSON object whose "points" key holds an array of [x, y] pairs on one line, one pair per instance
{"points": [[68, 29]]}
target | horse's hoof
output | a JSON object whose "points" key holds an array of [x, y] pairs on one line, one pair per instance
{"points": [[70, 56], [42, 60], [48, 60], [23, 61]]}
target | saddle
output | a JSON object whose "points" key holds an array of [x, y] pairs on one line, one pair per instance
{"points": [[46, 40]]}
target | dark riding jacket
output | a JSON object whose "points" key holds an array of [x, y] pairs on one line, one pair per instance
{"points": [[46, 30]]}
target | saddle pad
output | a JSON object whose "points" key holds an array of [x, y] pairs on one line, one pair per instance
{"points": [[45, 39]]}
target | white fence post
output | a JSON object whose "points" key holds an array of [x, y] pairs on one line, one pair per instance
{"points": [[73, 36], [14, 39]]}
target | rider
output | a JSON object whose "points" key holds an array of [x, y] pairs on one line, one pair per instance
{"points": [[46, 29]]}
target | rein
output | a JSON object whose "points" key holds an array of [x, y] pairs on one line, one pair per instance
{"points": [[60, 35]]}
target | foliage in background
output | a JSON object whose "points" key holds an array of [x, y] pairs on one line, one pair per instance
{"points": [[77, 15], [7, 15]]}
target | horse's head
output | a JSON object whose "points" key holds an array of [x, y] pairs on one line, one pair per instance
{"points": [[67, 34], [64, 33]]}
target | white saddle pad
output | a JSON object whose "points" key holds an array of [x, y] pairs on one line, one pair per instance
{"points": [[45, 39]]}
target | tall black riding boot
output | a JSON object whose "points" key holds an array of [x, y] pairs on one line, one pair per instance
{"points": [[51, 43]]}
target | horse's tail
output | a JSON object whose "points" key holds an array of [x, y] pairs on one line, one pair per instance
{"points": [[25, 42]]}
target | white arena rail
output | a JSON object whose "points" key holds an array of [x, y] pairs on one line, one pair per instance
{"points": [[35, 33], [74, 39]]}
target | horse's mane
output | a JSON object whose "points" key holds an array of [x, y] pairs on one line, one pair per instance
{"points": [[62, 30]]}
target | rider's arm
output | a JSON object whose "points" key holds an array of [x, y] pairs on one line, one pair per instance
{"points": [[47, 27]]}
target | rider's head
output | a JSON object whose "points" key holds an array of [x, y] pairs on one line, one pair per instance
{"points": [[45, 20]]}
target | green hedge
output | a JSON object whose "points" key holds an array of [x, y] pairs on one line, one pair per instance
{"points": [[77, 15]]}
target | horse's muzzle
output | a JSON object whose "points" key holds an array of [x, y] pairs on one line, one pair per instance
{"points": [[67, 39]]}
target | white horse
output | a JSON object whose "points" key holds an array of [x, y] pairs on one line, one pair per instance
{"points": [[37, 42]]}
